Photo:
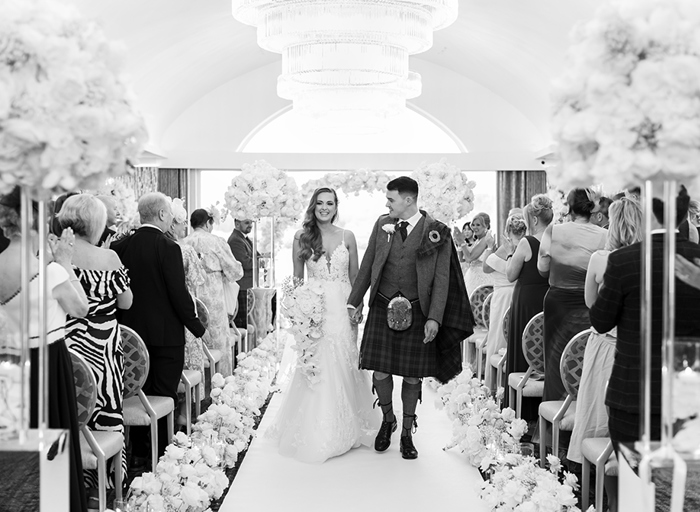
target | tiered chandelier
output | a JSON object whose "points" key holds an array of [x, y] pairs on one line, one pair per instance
{"points": [[346, 55]]}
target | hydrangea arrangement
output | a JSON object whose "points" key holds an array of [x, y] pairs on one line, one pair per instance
{"points": [[445, 191], [626, 109], [67, 119], [303, 305]]}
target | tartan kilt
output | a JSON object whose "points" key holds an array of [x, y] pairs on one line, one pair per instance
{"points": [[396, 352]]}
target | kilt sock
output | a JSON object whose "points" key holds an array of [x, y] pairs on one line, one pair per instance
{"points": [[384, 388], [410, 394]]}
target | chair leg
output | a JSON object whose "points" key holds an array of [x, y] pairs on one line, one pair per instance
{"points": [[511, 400], [555, 439], [102, 481], [198, 400], [543, 441], [188, 410], [154, 444], [519, 404], [585, 479], [171, 425], [117, 461], [599, 484]]}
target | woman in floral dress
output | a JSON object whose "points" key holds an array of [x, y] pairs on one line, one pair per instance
{"points": [[219, 266]]}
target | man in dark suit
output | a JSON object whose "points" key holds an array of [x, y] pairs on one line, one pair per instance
{"points": [[618, 304], [414, 261], [242, 249], [162, 306]]}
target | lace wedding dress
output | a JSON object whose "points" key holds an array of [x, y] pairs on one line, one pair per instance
{"points": [[336, 414]]}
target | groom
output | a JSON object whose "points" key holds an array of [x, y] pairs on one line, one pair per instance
{"points": [[413, 258]]}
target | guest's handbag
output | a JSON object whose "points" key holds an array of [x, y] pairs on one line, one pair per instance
{"points": [[231, 297], [399, 314]]}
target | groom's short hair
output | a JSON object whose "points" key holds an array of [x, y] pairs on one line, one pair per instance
{"points": [[404, 186]]}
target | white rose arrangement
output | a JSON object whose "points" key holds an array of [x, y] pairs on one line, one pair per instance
{"points": [[445, 191], [350, 182], [626, 109], [67, 119]]}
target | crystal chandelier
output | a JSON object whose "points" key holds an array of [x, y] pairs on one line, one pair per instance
{"points": [[346, 56]]}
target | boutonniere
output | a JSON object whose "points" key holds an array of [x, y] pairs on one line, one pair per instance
{"points": [[434, 236], [389, 229]]}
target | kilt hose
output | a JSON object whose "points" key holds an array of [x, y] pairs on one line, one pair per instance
{"points": [[396, 352]]}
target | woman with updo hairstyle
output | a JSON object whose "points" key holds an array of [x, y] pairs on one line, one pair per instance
{"points": [[220, 268], [96, 336], [495, 266], [564, 255], [475, 254]]}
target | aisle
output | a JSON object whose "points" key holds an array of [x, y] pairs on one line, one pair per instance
{"points": [[361, 480]]}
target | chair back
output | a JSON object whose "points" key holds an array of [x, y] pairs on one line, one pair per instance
{"points": [[533, 342], [85, 388], [136, 361], [506, 324], [571, 362], [250, 300], [477, 299], [202, 312], [486, 311]]}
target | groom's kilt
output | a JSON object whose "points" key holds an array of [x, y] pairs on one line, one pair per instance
{"points": [[396, 352]]}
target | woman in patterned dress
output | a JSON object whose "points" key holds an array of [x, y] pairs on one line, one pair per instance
{"points": [[96, 337], [219, 265]]}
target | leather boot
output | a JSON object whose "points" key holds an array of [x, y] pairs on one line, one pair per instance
{"points": [[406, 447]]}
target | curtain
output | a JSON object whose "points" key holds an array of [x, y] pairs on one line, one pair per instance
{"points": [[515, 189], [141, 181], [173, 183]]}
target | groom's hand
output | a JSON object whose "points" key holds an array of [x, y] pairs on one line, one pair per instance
{"points": [[355, 314], [431, 330]]}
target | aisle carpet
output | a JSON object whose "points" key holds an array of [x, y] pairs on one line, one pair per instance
{"points": [[360, 480]]}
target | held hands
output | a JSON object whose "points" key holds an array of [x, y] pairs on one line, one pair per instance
{"points": [[62, 248], [355, 314], [431, 330]]}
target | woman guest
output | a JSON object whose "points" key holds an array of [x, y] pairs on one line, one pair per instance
{"points": [[475, 256], [219, 266], [96, 337], [495, 265], [65, 295], [464, 238], [564, 254], [529, 290], [591, 415]]}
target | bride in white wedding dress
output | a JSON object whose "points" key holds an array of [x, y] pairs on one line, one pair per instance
{"points": [[334, 415]]}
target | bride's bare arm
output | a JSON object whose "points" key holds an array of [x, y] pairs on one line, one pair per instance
{"points": [[298, 264], [352, 249]]}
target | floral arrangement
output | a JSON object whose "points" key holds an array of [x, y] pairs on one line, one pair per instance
{"points": [[303, 304], [626, 109], [350, 182], [480, 429], [67, 119], [445, 191], [520, 485], [560, 208], [127, 205]]}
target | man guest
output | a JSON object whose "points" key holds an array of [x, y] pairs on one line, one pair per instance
{"points": [[161, 309], [242, 249]]}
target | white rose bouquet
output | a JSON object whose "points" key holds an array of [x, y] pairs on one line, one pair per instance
{"points": [[626, 109], [304, 305], [67, 119], [445, 191]]}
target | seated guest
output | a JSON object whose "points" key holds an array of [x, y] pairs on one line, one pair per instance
{"points": [[591, 415], [96, 336], [219, 266], [65, 295], [618, 305], [161, 309]]}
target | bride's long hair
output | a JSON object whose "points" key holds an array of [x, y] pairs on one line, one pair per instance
{"points": [[310, 240]]}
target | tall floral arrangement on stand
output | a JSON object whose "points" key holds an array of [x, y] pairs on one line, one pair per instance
{"points": [[445, 191], [67, 119], [626, 109]]}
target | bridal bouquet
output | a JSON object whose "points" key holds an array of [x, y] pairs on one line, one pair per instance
{"points": [[626, 109], [445, 191], [304, 306], [519, 484], [67, 118]]}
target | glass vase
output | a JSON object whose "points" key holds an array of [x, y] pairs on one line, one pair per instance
{"points": [[11, 376], [686, 397]]}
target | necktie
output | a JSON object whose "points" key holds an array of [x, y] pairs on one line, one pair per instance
{"points": [[403, 225]]}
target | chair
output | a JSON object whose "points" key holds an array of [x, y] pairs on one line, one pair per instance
{"points": [[189, 380], [96, 447], [498, 360], [213, 356], [477, 299], [561, 413], [598, 450], [520, 384], [480, 344], [141, 410]]}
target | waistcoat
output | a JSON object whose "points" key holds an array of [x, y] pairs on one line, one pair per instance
{"points": [[399, 272]]}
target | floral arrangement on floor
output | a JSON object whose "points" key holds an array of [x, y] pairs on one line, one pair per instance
{"points": [[519, 484], [480, 429], [445, 191], [350, 182], [191, 473], [626, 109], [67, 119], [303, 305]]}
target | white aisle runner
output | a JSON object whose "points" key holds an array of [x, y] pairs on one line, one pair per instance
{"points": [[360, 480]]}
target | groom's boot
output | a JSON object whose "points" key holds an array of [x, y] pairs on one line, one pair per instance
{"points": [[384, 388], [410, 394]]}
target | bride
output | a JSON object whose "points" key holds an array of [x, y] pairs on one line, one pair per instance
{"points": [[336, 414]]}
